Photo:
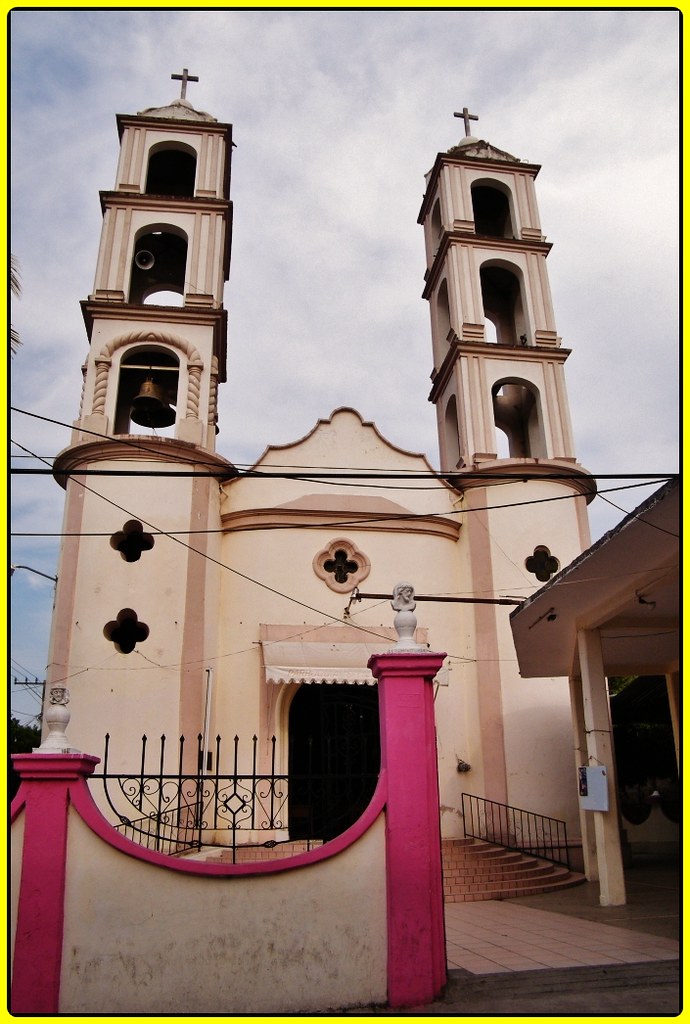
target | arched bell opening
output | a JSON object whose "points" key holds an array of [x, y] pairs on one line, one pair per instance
{"points": [[503, 304], [159, 264], [517, 416], [443, 312], [147, 393], [452, 434], [491, 206], [171, 170]]}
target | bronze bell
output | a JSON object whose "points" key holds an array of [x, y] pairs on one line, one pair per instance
{"points": [[150, 407]]}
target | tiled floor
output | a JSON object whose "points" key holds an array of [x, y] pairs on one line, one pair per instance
{"points": [[497, 936]]}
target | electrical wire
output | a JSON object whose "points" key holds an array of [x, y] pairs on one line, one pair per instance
{"points": [[328, 472], [641, 518], [215, 561], [337, 524]]}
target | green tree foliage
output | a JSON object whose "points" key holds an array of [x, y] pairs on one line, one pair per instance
{"points": [[23, 739]]}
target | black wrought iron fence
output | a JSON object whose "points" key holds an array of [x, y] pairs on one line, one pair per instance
{"points": [[176, 811], [516, 829]]}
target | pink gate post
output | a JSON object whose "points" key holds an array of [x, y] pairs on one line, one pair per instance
{"points": [[47, 780], [416, 933]]}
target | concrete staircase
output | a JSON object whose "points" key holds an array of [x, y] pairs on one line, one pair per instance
{"points": [[475, 870]]}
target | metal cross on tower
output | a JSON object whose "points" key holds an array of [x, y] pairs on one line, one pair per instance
{"points": [[467, 117], [184, 78]]}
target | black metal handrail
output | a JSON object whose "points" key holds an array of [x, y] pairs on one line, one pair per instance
{"points": [[173, 812], [516, 829]]}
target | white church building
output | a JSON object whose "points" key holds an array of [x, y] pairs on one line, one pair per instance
{"points": [[208, 601]]}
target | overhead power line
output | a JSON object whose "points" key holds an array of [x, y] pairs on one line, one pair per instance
{"points": [[260, 474], [297, 473], [342, 523]]}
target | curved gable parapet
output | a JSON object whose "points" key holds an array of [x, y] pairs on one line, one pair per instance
{"points": [[330, 421]]}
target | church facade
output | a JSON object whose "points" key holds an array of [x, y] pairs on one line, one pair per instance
{"points": [[198, 600]]}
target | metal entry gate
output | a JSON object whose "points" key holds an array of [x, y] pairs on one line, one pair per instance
{"points": [[334, 758]]}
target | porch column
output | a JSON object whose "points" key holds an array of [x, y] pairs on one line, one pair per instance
{"points": [[589, 843], [600, 751], [673, 691], [416, 934], [43, 798]]}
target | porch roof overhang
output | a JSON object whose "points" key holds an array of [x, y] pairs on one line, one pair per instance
{"points": [[626, 586]]}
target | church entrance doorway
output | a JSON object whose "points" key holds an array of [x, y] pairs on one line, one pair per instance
{"points": [[334, 758]]}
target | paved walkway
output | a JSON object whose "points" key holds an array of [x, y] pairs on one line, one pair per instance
{"points": [[563, 953], [570, 928], [491, 937]]}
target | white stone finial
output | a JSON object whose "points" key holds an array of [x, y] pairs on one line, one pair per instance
{"points": [[57, 719], [405, 621]]}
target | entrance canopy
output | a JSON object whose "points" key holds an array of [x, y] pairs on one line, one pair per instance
{"points": [[294, 661], [329, 655], [626, 586]]}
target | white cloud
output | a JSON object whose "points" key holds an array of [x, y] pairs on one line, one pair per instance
{"points": [[337, 116]]}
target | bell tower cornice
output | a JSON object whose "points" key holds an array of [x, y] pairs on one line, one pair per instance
{"points": [[461, 155], [464, 237], [115, 452], [125, 200], [457, 349]]}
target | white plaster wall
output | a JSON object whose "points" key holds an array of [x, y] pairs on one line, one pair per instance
{"points": [[128, 694], [536, 712], [282, 559], [144, 940], [428, 562], [537, 729]]}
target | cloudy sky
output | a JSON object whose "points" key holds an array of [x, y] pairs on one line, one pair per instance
{"points": [[337, 116]]}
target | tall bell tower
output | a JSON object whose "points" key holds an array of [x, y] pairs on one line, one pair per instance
{"points": [[498, 382], [141, 473], [505, 436]]}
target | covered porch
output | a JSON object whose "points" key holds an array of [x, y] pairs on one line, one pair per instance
{"points": [[614, 611]]}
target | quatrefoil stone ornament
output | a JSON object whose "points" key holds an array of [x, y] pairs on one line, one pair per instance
{"points": [[341, 566], [542, 563], [131, 540], [125, 632]]}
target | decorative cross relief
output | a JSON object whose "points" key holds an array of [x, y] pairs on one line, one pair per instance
{"points": [[131, 540], [186, 77], [542, 563], [126, 631], [341, 566], [467, 117]]}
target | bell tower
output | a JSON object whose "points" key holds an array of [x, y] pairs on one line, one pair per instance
{"points": [[137, 567], [505, 436], [155, 319], [498, 382]]}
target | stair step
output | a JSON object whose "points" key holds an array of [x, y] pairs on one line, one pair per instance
{"points": [[454, 857], [547, 877], [476, 870], [477, 878]]}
